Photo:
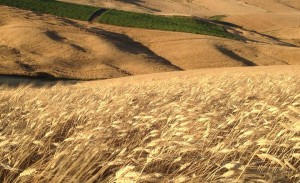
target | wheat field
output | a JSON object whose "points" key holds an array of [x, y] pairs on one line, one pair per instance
{"points": [[208, 129]]}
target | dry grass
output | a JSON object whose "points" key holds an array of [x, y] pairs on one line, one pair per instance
{"points": [[212, 129]]}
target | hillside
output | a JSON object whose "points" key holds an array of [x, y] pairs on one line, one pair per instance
{"points": [[51, 47], [273, 17], [131, 97]]}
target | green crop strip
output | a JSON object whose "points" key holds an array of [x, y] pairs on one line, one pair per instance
{"points": [[62, 9], [168, 23], [122, 18]]}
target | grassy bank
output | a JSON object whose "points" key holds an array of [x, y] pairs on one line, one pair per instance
{"points": [[62, 9], [168, 23]]}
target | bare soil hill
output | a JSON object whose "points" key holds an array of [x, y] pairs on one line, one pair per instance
{"points": [[42, 45], [274, 17], [50, 47]]}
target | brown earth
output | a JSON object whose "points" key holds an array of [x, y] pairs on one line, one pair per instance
{"points": [[48, 46], [44, 45], [151, 125], [280, 18]]}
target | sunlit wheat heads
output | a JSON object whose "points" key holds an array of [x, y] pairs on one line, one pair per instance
{"points": [[210, 129]]}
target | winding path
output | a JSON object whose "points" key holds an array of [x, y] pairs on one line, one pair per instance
{"points": [[97, 14]]}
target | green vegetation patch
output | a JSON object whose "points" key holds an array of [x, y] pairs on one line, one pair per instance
{"points": [[121, 18], [62, 9], [168, 23]]}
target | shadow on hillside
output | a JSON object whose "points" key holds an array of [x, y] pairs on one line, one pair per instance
{"points": [[14, 81], [97, 14], [54, 36], [124, 43], [239, 35], [235, 56]]}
